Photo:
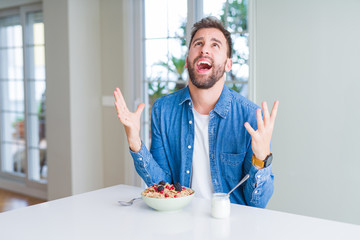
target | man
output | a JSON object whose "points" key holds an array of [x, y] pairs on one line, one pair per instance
{"points": [[202, 135]]}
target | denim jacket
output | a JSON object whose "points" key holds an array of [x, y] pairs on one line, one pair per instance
{"points": [[172, 141]]}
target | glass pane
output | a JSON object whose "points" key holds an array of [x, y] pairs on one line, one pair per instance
{"points": [[14, 158], [11, 63], [156, 58], [16, 96], [177, 18], [241, 48], [13, 127], [38, 29], [176, 62], [213, 7], [156, 19], [10, 32], [39, 62]]}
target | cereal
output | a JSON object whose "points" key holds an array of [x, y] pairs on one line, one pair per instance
{"points": [[166, 190]]}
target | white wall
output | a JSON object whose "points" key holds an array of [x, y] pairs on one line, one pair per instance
{"points": [[74, 114], [307, 56], [118, 70]]}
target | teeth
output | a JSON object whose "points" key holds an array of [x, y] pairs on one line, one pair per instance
{"points": [[204, 62]]}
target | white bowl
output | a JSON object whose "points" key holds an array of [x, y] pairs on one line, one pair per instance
{"points": [[168, 204]]}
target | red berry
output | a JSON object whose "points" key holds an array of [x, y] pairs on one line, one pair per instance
{"points": [[175, 196], [166, 195], [162, 191], [183, 188]]}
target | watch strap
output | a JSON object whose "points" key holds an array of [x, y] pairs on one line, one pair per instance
{"points": [[257, 162], [261, 163]]}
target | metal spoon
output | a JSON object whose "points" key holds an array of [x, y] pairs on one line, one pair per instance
{"points": [[129, 203], [241, 182]]}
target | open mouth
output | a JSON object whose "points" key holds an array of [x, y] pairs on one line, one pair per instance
{"points": [[203, 65]]}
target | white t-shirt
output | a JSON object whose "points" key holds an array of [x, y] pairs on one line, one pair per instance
{"points": [[201, 176]]}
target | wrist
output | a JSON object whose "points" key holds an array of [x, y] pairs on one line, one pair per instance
{"points": [[261, 156], [135, 144]]}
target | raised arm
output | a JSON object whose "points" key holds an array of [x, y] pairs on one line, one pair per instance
{"points": [[130, 120]]}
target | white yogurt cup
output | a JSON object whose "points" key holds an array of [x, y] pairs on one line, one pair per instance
{"points": [[220, 205]]}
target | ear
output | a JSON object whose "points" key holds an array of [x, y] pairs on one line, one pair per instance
{"points": [[228, 65], [186, 62]]}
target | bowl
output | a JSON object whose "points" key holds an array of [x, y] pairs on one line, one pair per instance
{"points": [[168, 204]]}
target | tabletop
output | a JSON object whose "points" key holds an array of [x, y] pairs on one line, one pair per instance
{"points": [[97, 215]]}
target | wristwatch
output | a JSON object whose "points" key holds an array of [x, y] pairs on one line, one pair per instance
{"points": [[262, 163]]}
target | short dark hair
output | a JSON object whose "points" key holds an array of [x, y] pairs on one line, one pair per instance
{"points": [[212, 22]]}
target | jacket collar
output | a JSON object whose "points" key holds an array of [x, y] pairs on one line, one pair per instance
{"points": [[222, 106]]}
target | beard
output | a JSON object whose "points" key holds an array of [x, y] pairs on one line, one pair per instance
{"points": [[205, 82]]}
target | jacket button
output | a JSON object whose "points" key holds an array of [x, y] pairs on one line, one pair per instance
{"points": [[187, 171], [190, 122], [189, 147]]}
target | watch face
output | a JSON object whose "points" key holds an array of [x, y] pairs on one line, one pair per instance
{"points": [[268, 160]]}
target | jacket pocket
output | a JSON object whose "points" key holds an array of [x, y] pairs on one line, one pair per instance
{"points": [[231, 166]]}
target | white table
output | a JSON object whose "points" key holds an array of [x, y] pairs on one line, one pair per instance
{"points": [[97, 215]]}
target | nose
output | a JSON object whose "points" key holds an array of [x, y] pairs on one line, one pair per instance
{"points": [[205, 50]]}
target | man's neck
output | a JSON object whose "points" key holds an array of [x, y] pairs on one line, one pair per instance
{"points": [[204, 100]]}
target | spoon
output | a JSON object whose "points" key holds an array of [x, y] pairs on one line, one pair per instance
{"points": [[129, 203], [241, 182]]}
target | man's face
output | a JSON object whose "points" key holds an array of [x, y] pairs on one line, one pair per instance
{"points": [[207, 59]]}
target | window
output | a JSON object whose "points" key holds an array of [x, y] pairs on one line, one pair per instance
{"points": [[165, 44], [22, 95]]}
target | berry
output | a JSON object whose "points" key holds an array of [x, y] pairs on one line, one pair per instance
{"points": [[166, 195], [175, 196], [161, 183], [160, 188], [178, 187], [161, 192]]}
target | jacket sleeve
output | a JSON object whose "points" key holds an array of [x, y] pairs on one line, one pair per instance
{"points": [[259, 187], [152, 166]]}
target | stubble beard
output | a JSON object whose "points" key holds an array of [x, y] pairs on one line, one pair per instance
{"points": [[205, 82]]}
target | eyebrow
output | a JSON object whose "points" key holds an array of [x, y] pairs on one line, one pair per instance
{"points": [[212, 39]]}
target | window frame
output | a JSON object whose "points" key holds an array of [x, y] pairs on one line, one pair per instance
{"points": [[9, 180]]}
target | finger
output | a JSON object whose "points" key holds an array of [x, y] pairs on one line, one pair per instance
{"points": [[250, 130], [265, 113], [119, 111], [274, 111], [139, 109], [259, 120], [120, 98]]}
